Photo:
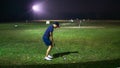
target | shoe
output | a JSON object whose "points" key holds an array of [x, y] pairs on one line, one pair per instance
{"points": [[47, 58], [50, 57]]}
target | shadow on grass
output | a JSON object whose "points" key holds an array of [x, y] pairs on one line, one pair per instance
{"points": [[63, 53], [91, 64]]}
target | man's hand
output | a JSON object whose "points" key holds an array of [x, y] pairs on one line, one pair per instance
{"points": [[53, 44]]}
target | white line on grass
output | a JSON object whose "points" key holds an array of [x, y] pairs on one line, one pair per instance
{"points": [[85, 27]]}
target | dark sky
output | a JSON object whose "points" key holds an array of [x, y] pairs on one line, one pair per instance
{"points": [[60, 9]]}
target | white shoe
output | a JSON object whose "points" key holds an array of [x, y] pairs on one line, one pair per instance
{"points": [[50, 57], [47, 58]]}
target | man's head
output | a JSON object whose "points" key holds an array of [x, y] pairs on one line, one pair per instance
{"points": [[56, 25]]}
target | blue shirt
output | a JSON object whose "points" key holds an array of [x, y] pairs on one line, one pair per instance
{"points": [[47, 32]]}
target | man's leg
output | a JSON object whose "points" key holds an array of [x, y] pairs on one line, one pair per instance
{"points": [[48, 50], [47, 56]]}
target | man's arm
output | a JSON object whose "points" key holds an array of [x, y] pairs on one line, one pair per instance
{"points": [[51, 37]]}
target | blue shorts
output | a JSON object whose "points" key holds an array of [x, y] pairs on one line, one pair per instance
{"points": [[47, 41]]}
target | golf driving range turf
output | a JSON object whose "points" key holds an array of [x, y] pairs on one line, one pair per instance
{"points": [[22, 46]]}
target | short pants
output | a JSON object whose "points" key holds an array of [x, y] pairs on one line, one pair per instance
{"points": [[47, 41]]}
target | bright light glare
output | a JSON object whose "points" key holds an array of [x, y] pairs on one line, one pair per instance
{"points": [[37, 8]]}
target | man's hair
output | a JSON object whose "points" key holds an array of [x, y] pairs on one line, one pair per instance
{"points": [[56, 23]]}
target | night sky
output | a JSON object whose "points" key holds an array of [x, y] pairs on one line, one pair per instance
{"points": [[18, 10]]}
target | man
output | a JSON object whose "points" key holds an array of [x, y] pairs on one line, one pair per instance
{"points": [[48, 39]]}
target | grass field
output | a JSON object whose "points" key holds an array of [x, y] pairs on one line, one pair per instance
{"points": [[82, 47]]}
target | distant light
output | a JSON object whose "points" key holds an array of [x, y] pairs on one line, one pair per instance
{"points": [[37, 7], [83, 19], [47, 22], [71, 20], [16, 26]]}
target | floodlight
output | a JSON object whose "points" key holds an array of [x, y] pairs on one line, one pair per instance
{"points": [[37, 7]]}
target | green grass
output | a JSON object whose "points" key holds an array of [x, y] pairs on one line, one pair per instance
{"points": [[93, 47]]}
